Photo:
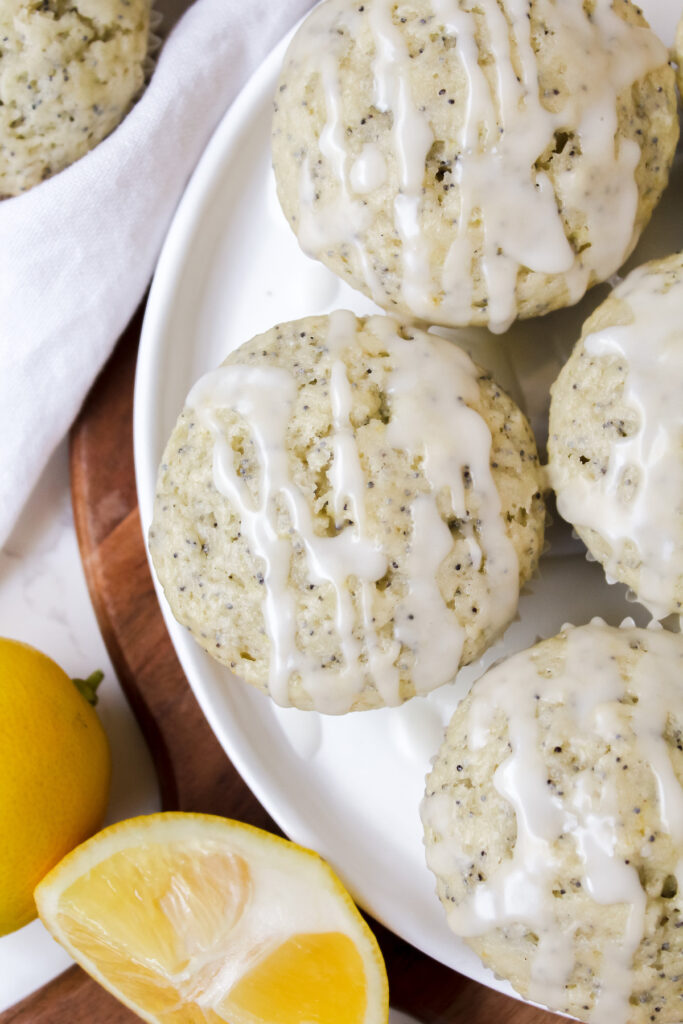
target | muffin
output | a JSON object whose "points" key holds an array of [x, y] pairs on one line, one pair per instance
{"points": [[467, 164], [69, 72], [553, 822], [345, 512], [615, 443]]}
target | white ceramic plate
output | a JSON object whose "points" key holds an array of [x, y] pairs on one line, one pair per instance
{"points": [[348, 787]]}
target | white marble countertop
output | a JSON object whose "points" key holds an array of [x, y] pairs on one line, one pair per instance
{"points": [[44, 601]]}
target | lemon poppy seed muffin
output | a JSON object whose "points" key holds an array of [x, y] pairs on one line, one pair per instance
{"points": [[615, 441], [469, 163], [553, 822], [345, 512], [69, 72]]}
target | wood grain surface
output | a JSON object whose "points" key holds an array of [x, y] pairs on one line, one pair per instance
{"points": [[194, 773]]}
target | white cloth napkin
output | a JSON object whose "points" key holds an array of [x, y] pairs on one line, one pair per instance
{"points": [[77, 252]]}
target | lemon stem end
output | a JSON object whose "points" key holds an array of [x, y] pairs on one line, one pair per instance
{"points": [[88, 687]]}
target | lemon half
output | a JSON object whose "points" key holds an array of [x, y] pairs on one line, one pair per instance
{"points": [[194, 918]]}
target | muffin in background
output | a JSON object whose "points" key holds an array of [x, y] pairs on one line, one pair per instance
{"points": [[345, 512], [469, 164], [553, 821], [69, 72], [615, 441]]}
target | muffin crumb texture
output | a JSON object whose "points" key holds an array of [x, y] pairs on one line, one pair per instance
{"points": [[345, 512], [449, 160], [616, 435], [553, 822], [69, 72]]}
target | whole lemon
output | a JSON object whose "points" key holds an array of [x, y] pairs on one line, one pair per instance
{"points": [[54, 774]]}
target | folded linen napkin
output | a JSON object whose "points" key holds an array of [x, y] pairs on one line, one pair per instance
{"points": [[78, 251]]}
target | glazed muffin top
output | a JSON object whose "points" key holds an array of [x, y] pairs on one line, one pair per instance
{"points": [[554, 822], [345, 512], [616, 435], [466, 163]]}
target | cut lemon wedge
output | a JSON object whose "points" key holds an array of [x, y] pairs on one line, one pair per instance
{"points": [[193, 919]]}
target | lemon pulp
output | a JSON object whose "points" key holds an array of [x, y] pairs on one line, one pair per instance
{"points": [[190, 918]]}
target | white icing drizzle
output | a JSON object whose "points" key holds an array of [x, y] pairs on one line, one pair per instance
{"points": [[349, 484], [369, 170], [345, 219], [506, 130], [346, 216], [412, 139], [585, 693], [651, 346], [429, 385]]}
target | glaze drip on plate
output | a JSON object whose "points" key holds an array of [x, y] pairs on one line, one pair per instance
{"points": [[584, 688], [498, 150], [428, 387]]}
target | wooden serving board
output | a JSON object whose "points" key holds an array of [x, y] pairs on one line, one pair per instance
{"points": [[194, 773]]}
